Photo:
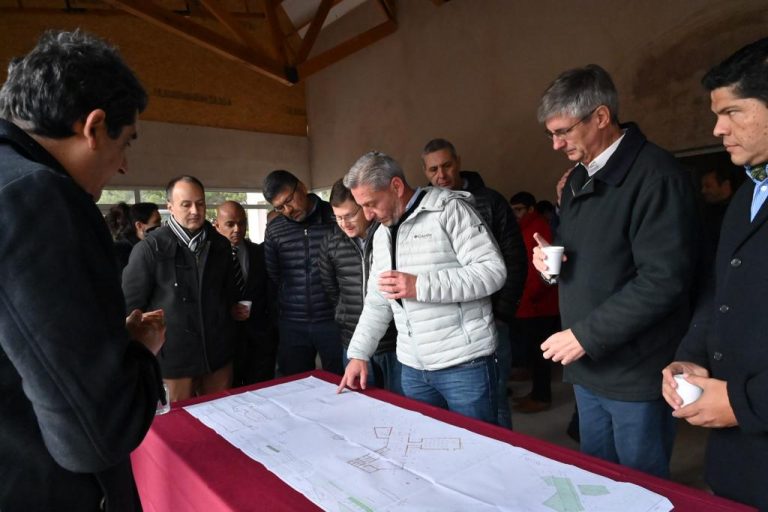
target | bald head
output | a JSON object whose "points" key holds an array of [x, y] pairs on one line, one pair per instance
{"points": [[231, 221]]}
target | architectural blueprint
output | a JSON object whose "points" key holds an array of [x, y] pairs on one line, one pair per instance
{"points": [[353, 453]]}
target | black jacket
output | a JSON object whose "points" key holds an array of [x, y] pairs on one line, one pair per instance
{"points": [[162, 274], [76, 395], [344, 269], [496, 212], [291, 250], [257, 289], [728, 337], [630, 236]]}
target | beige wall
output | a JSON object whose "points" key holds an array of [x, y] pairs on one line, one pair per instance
{"points": [[220, 158], [472, 71]]}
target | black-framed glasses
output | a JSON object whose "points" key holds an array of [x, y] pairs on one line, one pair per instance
{"points": [[562, 133], [350, 217], [288, 201]]}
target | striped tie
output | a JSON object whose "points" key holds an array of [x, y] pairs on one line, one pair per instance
{"points": [[239, 281]]}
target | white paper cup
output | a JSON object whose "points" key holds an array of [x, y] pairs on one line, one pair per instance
{"points": [[554, 254], [687, 391], [246, 303]]}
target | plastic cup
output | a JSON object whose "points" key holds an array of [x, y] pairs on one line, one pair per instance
{"points": [[554, 254], [246, 303], [687, 391], [164, 408]]}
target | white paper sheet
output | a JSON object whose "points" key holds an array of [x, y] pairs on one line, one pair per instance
{"points": [[350, 452]]}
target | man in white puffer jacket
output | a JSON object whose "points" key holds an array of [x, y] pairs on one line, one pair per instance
{"points": [[434, 269]]}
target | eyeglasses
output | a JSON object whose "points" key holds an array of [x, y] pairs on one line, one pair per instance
{"points": [[350, 217], [287, 201], [562, 133]]}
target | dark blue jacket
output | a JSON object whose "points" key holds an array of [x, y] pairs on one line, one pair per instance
{"points": [[291, 250], [76, 395], [728, 337]]}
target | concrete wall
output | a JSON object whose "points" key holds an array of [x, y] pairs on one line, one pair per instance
{"points": [[220, 158], [472, 71]]}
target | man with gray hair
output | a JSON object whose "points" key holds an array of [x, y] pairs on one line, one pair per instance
{"points": [[434, 270], [628, 225]]}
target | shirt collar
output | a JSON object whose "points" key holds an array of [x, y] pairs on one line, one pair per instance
{"points": [[600, 160]]}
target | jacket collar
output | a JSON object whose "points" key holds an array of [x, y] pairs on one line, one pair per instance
{"points": [[29, 147], [616, 168]]}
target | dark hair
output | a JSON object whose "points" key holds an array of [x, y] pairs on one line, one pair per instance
{"points": [[185, 178], [746, 70], [118, 220], [340, 194], [721, 175], [141, 212], [438, 145], [64, 78], [545, 206], [277, 181], [577, 92], [525, 198]]}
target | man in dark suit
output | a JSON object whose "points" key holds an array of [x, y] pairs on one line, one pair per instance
{"points": [[725, 352], [255, 344], [628, 225]]}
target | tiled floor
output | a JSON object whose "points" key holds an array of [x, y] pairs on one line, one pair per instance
{"points": [[687, 456]]}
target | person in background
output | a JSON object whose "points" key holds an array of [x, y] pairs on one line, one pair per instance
{"points": [[537, 316], [717, 188], [185, 268], [255, 347], [442, 167], [143, 218], [345, 265], [79, 382], [292, 249], [724, 351]]}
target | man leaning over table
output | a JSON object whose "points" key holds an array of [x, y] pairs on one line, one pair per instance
{"points": [[725, 352], [628, 225], [435, 266]]}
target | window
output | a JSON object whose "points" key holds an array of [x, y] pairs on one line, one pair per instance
{"points": [[256, 207]]}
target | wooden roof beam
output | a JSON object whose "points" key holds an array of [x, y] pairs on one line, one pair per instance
{"points": [[151, 12], [226, 19], [314, 30]]}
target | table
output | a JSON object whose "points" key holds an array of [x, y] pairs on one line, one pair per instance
{"points": [[182, 465]]}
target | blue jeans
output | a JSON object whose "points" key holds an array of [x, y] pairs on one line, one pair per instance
{"points": [[468, 388], [635, 434], [384, 371], [301, 342], [504, 360]]}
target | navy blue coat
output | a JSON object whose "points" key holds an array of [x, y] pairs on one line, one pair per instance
{"points": [[76, 395], [728, 337], [291, 250]]}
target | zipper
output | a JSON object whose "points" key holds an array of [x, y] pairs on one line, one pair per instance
{"points": [[308, 269]]}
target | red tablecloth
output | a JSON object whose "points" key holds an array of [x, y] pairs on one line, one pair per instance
{"points": [[182, 465]]}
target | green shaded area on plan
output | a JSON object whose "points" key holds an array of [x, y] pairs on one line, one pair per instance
{"points": [[593, 490], [566, 497]]}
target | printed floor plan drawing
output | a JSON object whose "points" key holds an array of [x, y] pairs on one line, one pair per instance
{"points": [[352, 453]]}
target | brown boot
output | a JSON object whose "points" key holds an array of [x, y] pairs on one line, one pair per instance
{"points": [[529, 405]]}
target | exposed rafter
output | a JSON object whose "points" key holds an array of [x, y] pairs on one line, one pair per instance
{"points": [[287, 56]]}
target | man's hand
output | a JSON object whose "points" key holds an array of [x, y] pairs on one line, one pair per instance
{"points": [[713, 409], [539, 258], [397, 285], [355, 375], [562, 347], [147, 328], [240, 312], [668, 384], [561, 184]]}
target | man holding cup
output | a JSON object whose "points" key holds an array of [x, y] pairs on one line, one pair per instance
{"points": [[255, 346], [725, 353], [628, 224]]}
